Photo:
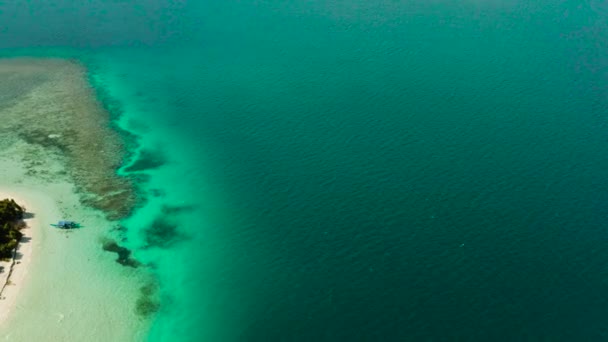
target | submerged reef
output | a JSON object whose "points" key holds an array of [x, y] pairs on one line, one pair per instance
{"points": [[147, 160], [147, 303], [124, 254], [164, 231], [59, 111]]}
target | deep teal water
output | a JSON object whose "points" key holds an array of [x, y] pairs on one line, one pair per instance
{"points": [[353, 171]]}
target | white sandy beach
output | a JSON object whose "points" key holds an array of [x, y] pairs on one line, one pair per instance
{"points": [[15, 271], [63, 281]]}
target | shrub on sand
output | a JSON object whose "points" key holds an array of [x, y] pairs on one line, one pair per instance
{"points": [[11, 215]]}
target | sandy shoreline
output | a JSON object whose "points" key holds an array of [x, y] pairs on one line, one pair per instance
{"points": [[64, 281], [14, 273], [64, 287]]}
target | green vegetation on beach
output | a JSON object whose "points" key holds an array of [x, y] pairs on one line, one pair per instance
{"points": [[11, 215]]}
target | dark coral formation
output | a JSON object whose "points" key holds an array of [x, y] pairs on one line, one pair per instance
{"points": [[147, 303], [44, 139], [164, 231], [147, 160], [124, 254]]}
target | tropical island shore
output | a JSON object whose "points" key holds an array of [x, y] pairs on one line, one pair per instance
{"points": [[13, 271], [58, 158]]}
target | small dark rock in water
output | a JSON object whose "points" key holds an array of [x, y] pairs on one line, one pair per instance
{"points": [[124, 254]]}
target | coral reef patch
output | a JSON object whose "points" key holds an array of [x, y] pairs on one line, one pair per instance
{"points": [[124, 254]]}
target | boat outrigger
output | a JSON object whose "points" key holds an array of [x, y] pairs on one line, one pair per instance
{"points": [[66, 225]]}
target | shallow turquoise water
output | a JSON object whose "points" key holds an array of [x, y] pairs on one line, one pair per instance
{"points": [[356, 171]]}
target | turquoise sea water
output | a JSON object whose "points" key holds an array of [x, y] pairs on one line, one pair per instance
{"points": [[356, 171]]}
